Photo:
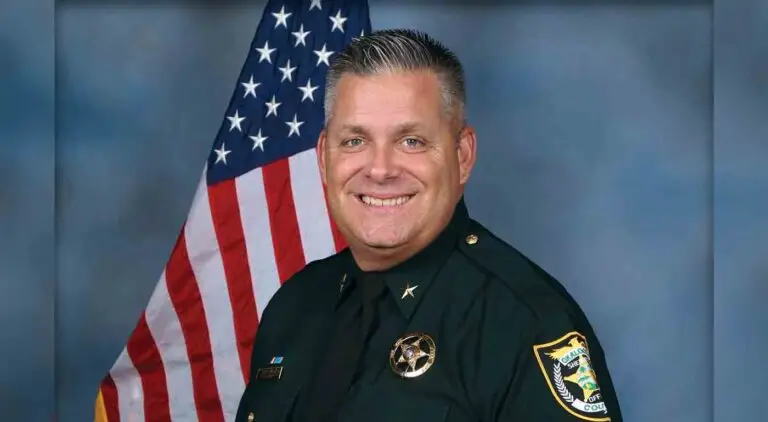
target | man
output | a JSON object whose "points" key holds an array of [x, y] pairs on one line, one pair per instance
{"points": [[426, 316]]}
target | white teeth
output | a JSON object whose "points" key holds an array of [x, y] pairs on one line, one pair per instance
{"points": [[389, 202]]}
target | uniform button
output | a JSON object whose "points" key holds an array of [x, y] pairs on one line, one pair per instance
{"points": [[471, 239], [251, 417]]}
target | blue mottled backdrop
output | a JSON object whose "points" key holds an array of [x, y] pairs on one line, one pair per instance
{"points": [[621, 146]]}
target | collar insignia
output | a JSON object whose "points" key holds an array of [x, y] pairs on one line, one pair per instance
{"points": [[408, 291]]}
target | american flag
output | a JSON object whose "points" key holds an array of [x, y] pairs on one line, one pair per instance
{"points": [[258, 216]]}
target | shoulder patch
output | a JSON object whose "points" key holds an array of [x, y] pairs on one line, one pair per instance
{"points": [[566, 365]]}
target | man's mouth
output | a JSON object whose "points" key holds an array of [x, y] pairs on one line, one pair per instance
{"points": [[373, 201]]}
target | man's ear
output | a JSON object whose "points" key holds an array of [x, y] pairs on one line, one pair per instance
{"points": [[467, 152], [321, 157]]}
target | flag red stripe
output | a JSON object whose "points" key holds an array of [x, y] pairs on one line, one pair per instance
{"points": [[145, 357], [109, 395], [225, 211], [187, 302], [286, 238]]}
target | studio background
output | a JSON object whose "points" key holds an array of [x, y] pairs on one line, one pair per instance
{"points": [[621, 147]]}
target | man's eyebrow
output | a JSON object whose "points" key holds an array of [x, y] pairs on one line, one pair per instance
{"points": [[407, 127], [353, 129]]}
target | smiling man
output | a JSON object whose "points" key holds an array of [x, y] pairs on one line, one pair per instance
{"points": [[426, 315]]}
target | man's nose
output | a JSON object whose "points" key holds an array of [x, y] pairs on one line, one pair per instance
{"points": [[383, 162]]}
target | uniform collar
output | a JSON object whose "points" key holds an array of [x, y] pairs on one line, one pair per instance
{"points": [[409, 281]]}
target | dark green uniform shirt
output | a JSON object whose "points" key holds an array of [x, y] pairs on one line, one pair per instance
{"points": [[470, 330]]}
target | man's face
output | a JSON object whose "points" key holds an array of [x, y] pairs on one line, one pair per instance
{"points": [[394, 162]]}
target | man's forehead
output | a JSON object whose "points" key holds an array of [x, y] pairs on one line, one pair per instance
{"points": [[397, 86], [391, 100], [358, 128]]}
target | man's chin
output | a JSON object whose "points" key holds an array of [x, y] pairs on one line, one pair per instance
{"points": [[383, 244], [383, 241]]}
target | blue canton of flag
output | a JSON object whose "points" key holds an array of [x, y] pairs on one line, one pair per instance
{"points": [[277, 107]]}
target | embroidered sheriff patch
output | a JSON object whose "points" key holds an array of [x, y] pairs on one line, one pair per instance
{"points": [[567, 368]]}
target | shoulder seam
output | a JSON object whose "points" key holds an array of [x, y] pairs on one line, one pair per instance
{"points": [[496, 277], [542, 281]]}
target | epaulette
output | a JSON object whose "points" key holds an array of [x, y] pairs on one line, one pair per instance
{"points": [[527, 281]]}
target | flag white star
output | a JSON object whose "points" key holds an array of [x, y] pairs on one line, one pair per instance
{"points": [[235, 122], [282, 17], [272, 105], [287, 71], [322, 56], [294, 125], [250, 87], [308, 89], [266, 52], [338, 21], [221, 154], [315, 3], [301, 36], [258, 141]]}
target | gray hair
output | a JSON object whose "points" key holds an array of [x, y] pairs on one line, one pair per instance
{"points": [[393, 50]]}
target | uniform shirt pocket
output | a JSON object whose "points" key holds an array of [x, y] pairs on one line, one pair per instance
{"points": [[377, 404]]}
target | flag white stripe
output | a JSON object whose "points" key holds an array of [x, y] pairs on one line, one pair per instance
{"points": [[163, 323], [311, 210], [254, 213], [208, 266], [130, 395]]}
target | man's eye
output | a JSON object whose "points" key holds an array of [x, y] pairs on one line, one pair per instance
{"points": [[354, 142], [413, 142]]}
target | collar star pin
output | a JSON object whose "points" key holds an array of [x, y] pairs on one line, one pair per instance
{"points": [[409, 291]]}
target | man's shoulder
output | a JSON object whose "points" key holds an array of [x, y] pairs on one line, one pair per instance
{"points": [[307, 286], [518, 278], [318, 273]]}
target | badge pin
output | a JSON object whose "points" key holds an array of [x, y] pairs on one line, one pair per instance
{"points": [[412, 355], [408, 291]]}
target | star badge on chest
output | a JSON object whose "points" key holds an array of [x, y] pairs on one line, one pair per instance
{"points": [[412, 355]]}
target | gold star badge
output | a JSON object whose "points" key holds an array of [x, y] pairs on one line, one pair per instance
{"points": [[408, 291], [412, 355]]}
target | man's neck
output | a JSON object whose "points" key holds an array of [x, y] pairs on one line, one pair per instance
{"points": [[381, 259]]}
